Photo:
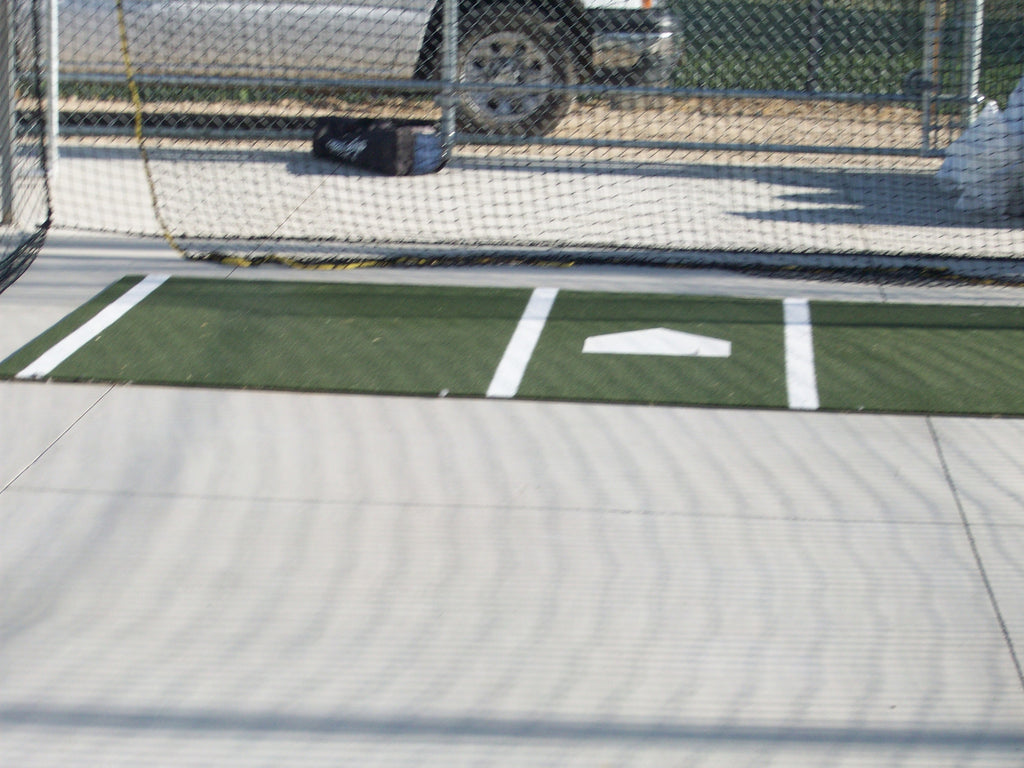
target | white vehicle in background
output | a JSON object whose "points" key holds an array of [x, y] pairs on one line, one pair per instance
{"points": [[519, 43]]}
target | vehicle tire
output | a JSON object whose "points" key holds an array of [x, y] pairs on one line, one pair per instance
{"points": [[508, 45]]}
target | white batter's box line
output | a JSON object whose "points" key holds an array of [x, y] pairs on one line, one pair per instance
{"points": [[519, 351], [106, 317], [801, 380]]}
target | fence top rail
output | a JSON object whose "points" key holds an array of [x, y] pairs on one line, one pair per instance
{"points": [[441, 86]]}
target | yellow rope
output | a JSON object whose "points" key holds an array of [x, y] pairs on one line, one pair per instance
{"points": [[133, 89]]}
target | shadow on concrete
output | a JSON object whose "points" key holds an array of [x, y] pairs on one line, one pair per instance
{"points": [[527, 729]]}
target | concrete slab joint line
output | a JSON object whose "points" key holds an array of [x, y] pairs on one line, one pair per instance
{"points": [[105, 318], [801, 381], [509, 374], [979, 562], [57, 439]]}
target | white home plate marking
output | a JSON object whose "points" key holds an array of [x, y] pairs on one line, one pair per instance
{"points": [[658, 341], [105, 318], [801, 382], [520, 348]]}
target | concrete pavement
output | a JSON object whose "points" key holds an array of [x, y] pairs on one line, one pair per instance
{"points": [[277, 196], [198, 577]]}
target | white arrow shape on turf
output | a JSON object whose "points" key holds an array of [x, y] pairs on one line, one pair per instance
{"points": [[658, 341]]}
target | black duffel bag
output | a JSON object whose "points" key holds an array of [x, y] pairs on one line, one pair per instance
{"points": [[390, 146]]}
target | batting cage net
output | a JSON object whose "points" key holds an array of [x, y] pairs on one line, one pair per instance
{"points": [[852, 133], [24, 191]]}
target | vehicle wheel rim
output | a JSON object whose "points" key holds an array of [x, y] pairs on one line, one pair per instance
{"points": [[506, 58]]}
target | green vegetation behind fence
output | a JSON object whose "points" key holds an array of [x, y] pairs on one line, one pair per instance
{"points": [[846, 47]]}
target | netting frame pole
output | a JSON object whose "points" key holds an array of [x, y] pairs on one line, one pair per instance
{"points": [[53, 88], [449, 73], [8, 113]]}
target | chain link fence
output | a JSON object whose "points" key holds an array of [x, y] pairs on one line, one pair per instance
{"points": [[608, 129]]}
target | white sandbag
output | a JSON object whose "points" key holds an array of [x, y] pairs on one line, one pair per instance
{"points": [[950, 173], [988, 172], [1014, 117]]}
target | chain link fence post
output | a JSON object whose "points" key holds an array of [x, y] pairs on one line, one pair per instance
{"points": [[934, 11], [449, 73], [974, 11]]}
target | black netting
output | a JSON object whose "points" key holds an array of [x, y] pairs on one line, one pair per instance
{"points": [[794, 130], [24, 190]]}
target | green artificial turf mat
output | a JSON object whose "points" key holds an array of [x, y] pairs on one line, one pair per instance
{"points": [[919, 358], [429, 340], [27, 354], [752, 375], [336, 337]]}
